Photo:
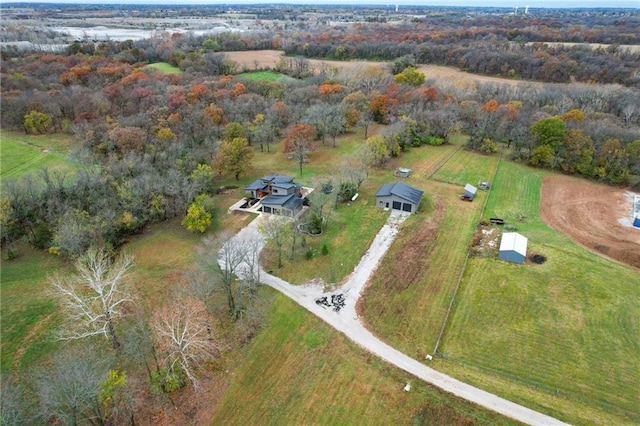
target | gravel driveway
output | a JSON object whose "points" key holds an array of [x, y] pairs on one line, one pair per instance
{"points": [[338, 309]]}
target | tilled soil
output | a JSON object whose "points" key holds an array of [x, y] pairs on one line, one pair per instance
{"points": [[588, 213]]}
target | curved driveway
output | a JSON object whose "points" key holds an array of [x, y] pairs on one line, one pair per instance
{"points": [[346, 321]]}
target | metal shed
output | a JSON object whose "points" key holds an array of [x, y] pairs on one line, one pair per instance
{"points": [[470, 191], [402, 172], [513, 247]]}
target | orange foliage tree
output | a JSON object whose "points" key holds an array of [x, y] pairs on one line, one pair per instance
{"points": [[299, 142]]}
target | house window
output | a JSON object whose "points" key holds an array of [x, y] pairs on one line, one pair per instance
{"points": [[406, 207], [397, 205]]}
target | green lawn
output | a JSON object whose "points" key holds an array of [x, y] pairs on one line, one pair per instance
{"points": [[467, 167], [28, 314], [298, 370], [165, 68], [22, 154], [267, 76]]}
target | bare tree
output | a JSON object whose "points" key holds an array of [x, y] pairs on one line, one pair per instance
{"points": [[14, 405], [184, 336], [230, 264], [68, 389], [275, 228], [92, 298]]}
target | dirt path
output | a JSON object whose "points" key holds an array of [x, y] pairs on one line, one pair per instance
{"points": [[346, 320], [591, 215]]}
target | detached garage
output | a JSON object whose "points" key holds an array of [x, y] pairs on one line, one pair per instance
{"points": [[513, 247], [399, 196]]}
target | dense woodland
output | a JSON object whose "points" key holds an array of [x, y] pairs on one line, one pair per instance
{"points": [[152, 145]]}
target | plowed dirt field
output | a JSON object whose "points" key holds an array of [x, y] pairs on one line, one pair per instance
{"points": [[589, 214]]}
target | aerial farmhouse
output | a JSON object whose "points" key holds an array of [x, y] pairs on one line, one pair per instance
{"points": [[277, 194]]}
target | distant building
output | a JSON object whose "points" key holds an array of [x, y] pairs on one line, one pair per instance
{"points": [[399, 196], [513, 247]]}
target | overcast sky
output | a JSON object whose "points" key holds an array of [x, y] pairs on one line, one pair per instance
{"points": [[475, 3]]}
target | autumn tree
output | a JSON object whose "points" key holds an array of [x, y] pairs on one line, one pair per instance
{"points": [[93, 297], [299, 142], [577, 153], [198, 217], [37, 122], [410, 76], [378, 150], [233, 131]]}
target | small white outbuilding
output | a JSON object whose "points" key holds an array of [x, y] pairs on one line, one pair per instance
{"points": [[513, 247]]}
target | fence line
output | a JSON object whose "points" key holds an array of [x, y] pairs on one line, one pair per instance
{"points": [[464, 265]]}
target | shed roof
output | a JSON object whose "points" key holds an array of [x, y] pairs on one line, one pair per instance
{"points": [[470, 189], [512, 241], [402, 190]]}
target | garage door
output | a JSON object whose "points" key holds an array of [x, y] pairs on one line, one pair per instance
{"points": [[397, 205], [406, 207]]}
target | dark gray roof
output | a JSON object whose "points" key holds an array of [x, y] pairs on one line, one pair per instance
{"points": [[294, 203], [256, 184], [276, 200], [385, 190], [285, 185], [402, 190], [279, 179]]}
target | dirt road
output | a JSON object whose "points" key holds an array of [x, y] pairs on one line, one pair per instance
{"points": [[345, 319]]}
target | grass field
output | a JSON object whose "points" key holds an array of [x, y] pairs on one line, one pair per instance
{"points": [[27, 322], [411, 290], [524, 330], [267, 76], [165, 68], [467, 167], [22, 154], [518, 331], [300, 371]]}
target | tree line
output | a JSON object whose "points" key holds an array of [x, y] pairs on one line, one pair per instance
{"points": [[152, 142]]}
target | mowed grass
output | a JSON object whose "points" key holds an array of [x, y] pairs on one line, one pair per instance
{"points": [[561, 337], [267, 76], [22, 154], [408, 297], [467, 167], [300, 371], [29, 315], [165, 67]]}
